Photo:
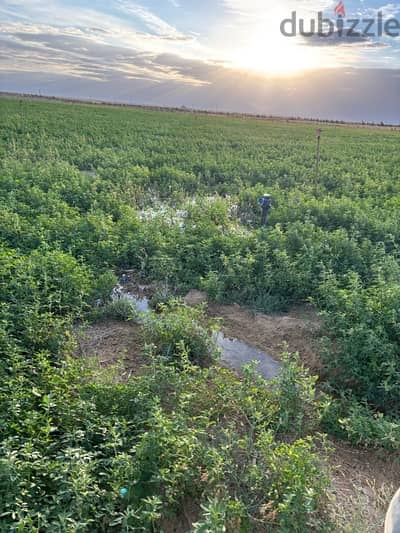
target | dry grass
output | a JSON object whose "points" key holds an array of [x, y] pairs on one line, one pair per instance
{"points": [[363, 484], [111, 343]]}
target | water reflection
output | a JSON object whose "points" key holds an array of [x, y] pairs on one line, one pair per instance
{"points": [[235, 354]]}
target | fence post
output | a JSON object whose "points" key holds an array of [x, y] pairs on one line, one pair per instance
{"points": [[318, 159]]}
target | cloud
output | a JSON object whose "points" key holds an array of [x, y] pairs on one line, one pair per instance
{"points": [[388, 11], [153, 22], [78, 52], [346, 38], [258, 9]]}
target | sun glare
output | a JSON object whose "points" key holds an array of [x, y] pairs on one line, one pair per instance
{"points": [[279, 56]]}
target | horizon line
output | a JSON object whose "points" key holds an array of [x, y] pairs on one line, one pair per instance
{"points": [[204, 111]]}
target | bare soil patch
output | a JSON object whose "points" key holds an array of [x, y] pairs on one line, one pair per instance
{"points": [[112, 342], [297, 330], [363, 484]]}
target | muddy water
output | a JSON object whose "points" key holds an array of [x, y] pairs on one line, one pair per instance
{"points": [[235, 354]]}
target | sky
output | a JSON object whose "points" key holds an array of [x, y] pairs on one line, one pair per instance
{"points": [[223, 55]]}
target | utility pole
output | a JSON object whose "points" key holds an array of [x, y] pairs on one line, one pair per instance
{"points": [[22, 116], [318, 159]]}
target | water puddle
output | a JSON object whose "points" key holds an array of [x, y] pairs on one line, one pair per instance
{"points": [[235, 354], [141, 304]]}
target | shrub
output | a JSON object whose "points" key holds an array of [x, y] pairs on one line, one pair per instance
{"points": [[180, 333], [359, 424], [162, 296], [294, 392], [118, 310], [364, 357], [71, 444]]}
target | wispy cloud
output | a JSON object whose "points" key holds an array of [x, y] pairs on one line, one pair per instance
{"points": [[388, 10], [259, 9], [153, 22], [81, 52]]}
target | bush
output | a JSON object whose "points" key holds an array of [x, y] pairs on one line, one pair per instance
{"points": [[294, 392], [357, 423], [71, 445], [119, 310], [364, 357], [180, 333], [162, 296]]}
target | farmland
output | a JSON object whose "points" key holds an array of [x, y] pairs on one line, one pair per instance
{"points": [[88, 192]]}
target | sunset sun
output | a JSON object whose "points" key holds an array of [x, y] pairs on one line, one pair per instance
{"points": [[279, 56]]}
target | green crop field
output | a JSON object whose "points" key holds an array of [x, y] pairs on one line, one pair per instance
{"points": [[87, 192]]}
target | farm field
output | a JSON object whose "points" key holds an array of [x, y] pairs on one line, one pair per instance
{"points": [[166, 439]]}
